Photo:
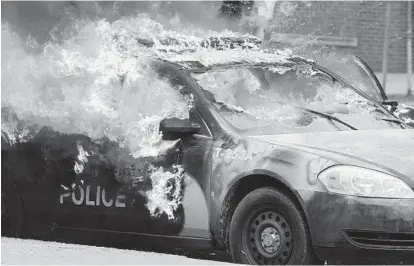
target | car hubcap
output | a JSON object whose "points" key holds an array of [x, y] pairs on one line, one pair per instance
{"points": [[270, 238]]}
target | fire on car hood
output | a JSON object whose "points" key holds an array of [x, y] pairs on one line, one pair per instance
{"points": [[389, 150]]}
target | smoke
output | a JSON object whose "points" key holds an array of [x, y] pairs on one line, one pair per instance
{"points": [[79, 69], [53, 19], [76, 67], [75, 86], [69, 78]]}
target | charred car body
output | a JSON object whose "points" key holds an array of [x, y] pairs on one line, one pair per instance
{"points": [[284, 184]]}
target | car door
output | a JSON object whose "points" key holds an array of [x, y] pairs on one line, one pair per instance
{"points": [[162, 195], [170, 199]]}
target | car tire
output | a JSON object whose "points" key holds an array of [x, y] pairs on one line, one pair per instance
{"points": [[11, 211], [268, 228]]}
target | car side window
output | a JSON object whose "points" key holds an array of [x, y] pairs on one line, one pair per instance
{"points": [[195, 117]]}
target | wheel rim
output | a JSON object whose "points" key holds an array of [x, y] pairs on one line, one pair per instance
{"points": [[269, 238]]}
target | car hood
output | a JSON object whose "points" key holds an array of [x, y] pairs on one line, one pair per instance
{"points": [[391, 150]]}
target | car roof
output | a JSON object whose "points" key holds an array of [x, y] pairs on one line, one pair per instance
{"points": [[221, 52], [208, 59]]}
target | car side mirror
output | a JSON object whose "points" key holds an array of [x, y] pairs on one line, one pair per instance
{"points": [[175, 128]]}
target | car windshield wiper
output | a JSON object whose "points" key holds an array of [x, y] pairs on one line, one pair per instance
{"points": [[397, 121], [321, 114], [392, 120], [363, 94], [360, 92], [328, 116]]}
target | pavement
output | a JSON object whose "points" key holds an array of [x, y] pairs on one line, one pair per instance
{"points": [[36, 252]]}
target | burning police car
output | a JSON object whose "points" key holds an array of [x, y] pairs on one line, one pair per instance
{"points": [[281, 161]]}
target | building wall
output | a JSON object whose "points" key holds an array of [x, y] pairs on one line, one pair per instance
{"points": [[364, 20]]}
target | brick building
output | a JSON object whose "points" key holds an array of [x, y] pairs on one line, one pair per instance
{"points": [[355, 27]]}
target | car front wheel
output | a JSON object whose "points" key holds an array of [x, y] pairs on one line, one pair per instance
{"points": [[267, 228]]}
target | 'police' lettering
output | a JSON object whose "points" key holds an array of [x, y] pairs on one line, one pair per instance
{"points": [[98, 195], [118, 202], [64, 195], [88, 201], [79, 196], [106, 203], [82, 196]]}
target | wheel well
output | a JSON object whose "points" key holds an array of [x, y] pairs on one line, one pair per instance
{"points": [[239, 190]]}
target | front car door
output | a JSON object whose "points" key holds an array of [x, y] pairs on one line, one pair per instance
{"points": [[161, 195]]}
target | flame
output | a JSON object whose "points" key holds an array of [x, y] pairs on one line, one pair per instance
{"points": [[93, 78], [165, 184]]}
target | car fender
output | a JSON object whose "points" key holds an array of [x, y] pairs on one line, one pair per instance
{"points": [[290, 167]]}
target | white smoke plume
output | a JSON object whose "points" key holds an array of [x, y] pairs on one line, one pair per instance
{"points": [[80, 70]]}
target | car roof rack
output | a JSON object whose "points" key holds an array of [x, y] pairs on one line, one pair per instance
{"points": [[218, 52], [214, 59], [182, 45]]}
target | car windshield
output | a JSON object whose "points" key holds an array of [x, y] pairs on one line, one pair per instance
{"points": [[267, 101]]}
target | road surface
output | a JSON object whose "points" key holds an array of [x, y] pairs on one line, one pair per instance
{"points": [[22, 251]]}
